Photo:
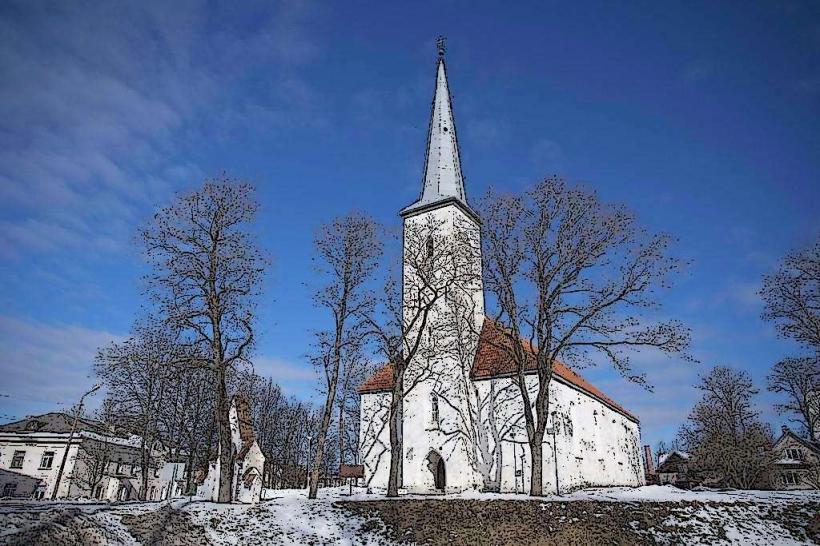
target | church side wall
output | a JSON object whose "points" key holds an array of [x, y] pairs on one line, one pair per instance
{"points": [[593, 444], [374, 439]]}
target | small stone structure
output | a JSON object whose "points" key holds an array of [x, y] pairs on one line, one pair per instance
{"points": [[249, 460]]}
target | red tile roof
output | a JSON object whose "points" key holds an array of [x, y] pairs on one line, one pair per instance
{"points": [[490, 362]]}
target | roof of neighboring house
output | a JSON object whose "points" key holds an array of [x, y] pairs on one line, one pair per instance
{"points": [[7, 475], [54, 422], [662, 458], [490, 362], [788, 434]]}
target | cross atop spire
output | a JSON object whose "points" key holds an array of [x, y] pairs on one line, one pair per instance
{"points": [[443, 180]]}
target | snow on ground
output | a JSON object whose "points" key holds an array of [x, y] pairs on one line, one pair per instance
{"points": [[289, 517], [286, 517]]}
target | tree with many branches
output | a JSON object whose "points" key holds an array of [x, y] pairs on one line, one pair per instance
{"points": [[572, 277], [347, 255], [791, 296], [207, 272], [799, 380], [728, 442]]}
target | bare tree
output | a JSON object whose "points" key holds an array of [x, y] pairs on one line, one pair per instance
{"points": [[571, 277], [791, 296], [207, 270], [409, 333], [727, 441], [479, 420], [94, 458], [799, 380], [136, 373], [347, 255]]}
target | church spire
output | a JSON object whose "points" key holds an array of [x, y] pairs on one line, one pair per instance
{"points": [[443, 180]]}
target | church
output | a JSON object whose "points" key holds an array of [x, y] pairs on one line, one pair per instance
{"points": [[462, 428]]}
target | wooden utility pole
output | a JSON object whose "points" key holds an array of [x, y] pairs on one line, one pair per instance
{"points": [[70, 439]]}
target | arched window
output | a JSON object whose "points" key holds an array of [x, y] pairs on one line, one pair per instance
{"points": [[435, 408]]}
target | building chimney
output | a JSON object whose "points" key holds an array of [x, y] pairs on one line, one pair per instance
{"points": [[647, 457]]}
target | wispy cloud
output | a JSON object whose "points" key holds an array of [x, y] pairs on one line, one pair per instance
{"points": [[548, 156], [697, 71], [295, 378], [44, 366], [99, 104]]}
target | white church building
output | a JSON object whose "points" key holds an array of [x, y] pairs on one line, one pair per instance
{"points": [[591, 440]]}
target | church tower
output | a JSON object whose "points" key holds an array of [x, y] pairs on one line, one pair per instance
{"points": [[441, 231]]}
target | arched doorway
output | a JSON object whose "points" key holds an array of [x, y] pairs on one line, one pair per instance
{"points": [[435, 463], [441, 477]]}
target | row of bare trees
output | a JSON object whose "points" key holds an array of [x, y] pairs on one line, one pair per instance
{"points": [[568, 277], [725, 435], [170, 382]]}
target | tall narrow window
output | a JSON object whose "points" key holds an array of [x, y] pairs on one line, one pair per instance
{"points": [[47, 460], [435, 408], [17, 459], [430, 246]]}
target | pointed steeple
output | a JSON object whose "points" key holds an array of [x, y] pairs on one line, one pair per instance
{"points": [[443, 180]]}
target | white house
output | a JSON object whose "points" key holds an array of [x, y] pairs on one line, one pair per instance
{"points": [[798, 462], [463, 427], [249, 461], [98, 463]]}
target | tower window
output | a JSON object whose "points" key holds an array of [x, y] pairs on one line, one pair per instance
{"points": [[430, 247], [435, 408]]}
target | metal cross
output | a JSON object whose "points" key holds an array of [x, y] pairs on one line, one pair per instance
{"points": [[440, 45]]}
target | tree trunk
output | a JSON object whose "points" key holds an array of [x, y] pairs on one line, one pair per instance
{"points": [[537, 466], [225, 460], [395, 439], [341, 433], [320, 441]]}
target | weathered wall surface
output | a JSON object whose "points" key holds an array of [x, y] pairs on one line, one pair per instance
{"points": [[594, 445], [374, 439]]}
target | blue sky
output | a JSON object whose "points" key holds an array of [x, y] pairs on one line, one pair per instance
{"points": [[702, 117]]}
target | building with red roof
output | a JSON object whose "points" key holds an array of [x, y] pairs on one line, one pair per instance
{"points": [[461, 414]]}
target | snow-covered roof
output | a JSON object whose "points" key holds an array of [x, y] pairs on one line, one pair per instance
{"points": [[662, 458]]}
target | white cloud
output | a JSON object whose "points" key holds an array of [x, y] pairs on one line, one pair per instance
{"points": [[548, 156], [295, 378], [43, 364], [100, 103], [697, 70]]}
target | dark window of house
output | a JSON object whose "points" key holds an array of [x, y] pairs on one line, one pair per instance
{"points": [[790, 478], [98, 492], [8, 489], [430, 246], [47, 460], [119, 466], [17, 459], [794, 453], [435, 409]]}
